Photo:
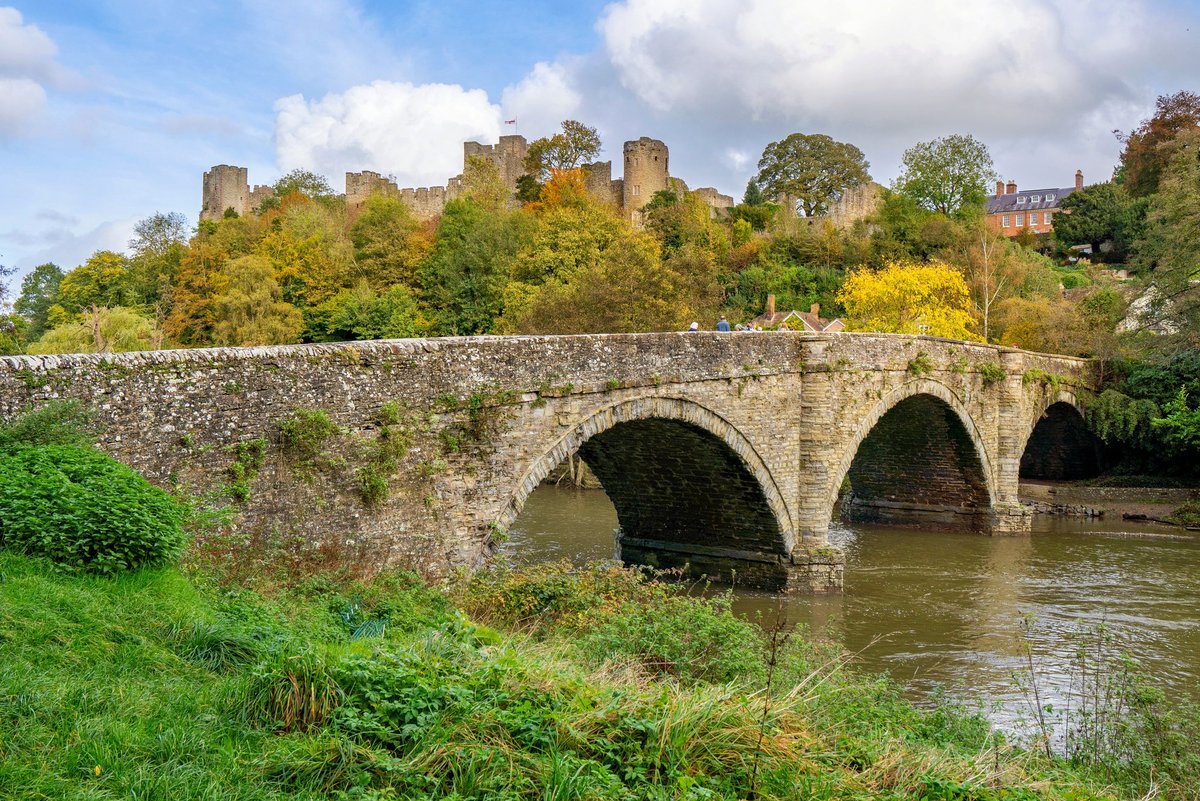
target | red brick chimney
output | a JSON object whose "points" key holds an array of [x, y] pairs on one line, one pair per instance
{"points": [[1078, 180], [1010, 188], [815, 310], [999, 188], [770, 305]]}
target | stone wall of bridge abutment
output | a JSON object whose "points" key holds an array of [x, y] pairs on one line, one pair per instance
{"points": [[779, 416]]}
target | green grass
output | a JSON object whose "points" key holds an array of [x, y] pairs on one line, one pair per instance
{"points": [[556, 683]]}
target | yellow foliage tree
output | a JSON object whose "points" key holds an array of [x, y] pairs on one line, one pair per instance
{"points": [[909, 298]]}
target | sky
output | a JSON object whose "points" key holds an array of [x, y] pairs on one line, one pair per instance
{"points": [[111, 110]]}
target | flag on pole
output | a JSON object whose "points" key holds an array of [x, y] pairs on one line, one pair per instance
{"points": [[513, 121]]}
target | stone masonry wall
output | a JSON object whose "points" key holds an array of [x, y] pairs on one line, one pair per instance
{"points": [[774, 418]]}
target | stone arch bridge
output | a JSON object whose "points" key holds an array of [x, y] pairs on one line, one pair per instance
{"points": [[727, 452]]}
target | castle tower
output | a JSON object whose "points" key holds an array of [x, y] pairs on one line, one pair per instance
{"points": [[645, 173], [225, 187], [508, 155]]}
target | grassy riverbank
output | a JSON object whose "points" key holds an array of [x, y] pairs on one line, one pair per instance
{"points": [[536, 684]]}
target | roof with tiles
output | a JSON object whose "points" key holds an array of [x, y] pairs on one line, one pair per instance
{"points": [[1027, 200]]}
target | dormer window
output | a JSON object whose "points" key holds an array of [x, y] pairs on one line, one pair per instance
{"points": [[1049, 198], [1020, 199], [1035, 198]]}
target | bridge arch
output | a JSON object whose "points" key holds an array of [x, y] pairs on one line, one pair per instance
{"points": [[917, 457], [686, 483], [1058, 444]]}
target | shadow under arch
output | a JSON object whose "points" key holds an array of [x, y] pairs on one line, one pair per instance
{"points": [[917, 459], [687, 486], [1060, 447]]}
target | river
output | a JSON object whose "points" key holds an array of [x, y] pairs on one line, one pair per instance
{"points": [[943, 609]]}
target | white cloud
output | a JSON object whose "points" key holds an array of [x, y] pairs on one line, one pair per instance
{"points": [[21, 99], [542, 99], [414, 132], [1011, 68], [59, 244], [27, 63]]}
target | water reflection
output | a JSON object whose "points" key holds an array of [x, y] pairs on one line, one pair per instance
{"points": [[943, 609]]}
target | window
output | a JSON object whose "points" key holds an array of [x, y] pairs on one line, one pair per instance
{"points": [[637, 190], [1020, 220], [1046, 218], [1035, 198], [1033, 218], [1050, 198], [1005, 221], [1020, 199]]}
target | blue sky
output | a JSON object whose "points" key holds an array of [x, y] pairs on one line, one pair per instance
{"points": [[111, 110]]}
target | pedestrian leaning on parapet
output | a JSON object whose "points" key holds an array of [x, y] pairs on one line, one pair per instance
{"points": [[722, 324]]}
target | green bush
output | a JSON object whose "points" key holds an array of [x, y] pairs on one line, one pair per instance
{"points": [[304, 432], [56, 423], [85, 511]]}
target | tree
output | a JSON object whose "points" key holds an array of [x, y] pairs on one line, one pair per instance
{"points": [[909, 298], [251, 310], [304, 182], [389, 242], [39, 291], [1144, 158], [946, 174], [102, 281], [362, 313], [575, 146], [157, 246], [483, 184], [1101, 213], [811, 170], [1168, 247], [753, 195], [468, 268], [102, 330]]}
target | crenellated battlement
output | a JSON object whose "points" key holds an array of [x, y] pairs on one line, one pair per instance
{"points": [[645, 161]]}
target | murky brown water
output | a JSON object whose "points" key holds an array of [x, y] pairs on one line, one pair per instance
{"points": [[943, 609]]}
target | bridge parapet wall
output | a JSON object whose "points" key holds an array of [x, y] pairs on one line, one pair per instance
{"points": [[178, 416]]}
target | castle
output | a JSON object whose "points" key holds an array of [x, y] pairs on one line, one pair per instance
{"points": [[646, 172]]}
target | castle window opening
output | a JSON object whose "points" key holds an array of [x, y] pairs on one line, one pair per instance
{"points": [[637, 190]]}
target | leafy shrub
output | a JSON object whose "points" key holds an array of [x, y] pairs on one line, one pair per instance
{"points": [[623, 614], [86, 511], [991, 373], [304, 431], [56, 423]]}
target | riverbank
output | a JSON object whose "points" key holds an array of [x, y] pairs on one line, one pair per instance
{"points": [[539, 683], [1085, 499]]}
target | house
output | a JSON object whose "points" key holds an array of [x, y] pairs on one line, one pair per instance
{"points": [[1010, 212], [810, 321]]}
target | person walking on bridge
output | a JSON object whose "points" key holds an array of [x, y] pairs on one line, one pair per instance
{"points": [[722, 324]]}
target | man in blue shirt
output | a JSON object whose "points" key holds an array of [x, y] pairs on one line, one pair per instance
{"points": [[722, 324]]}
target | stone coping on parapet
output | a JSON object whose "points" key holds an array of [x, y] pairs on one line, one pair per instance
{"points": [[394, 347]]}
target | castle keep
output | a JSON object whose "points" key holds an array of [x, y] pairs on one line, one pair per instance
{"points": [[645, 172]]}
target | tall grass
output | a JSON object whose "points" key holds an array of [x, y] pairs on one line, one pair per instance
{"points": [[143, 686]]}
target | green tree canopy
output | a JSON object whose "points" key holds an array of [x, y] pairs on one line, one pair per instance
{"points": [[812, 170], [389, 242], [1101, 213], [305, 182], [947, 173], [575, 146], [39, 291], [103, 280]]}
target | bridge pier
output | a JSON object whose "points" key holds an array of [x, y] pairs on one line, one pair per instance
{"points": [[806, 570]]}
